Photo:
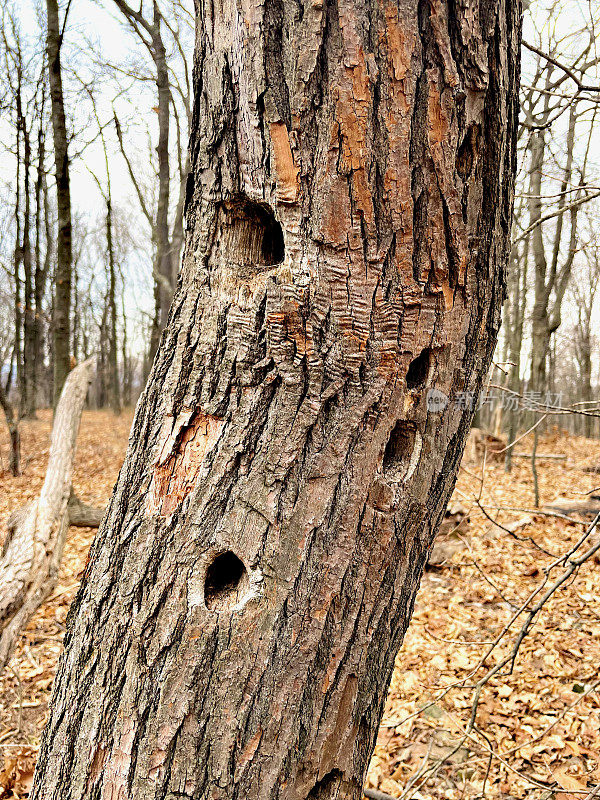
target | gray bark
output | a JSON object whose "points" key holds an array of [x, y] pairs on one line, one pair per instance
{"points": [[82, 515], [149, 32], [32, 550], [61, 318], [14, 434], [347, 229], [551, 277]]}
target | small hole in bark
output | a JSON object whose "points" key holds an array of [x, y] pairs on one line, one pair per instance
{"points": [[418, 370], [467, 152], [249, 234], [327, 785], [400, 446], [226, 582]]}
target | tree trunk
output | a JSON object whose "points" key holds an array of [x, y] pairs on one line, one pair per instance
{"points": [[28, 402], [520, 263], [584, 345], [113, 365], [551, 280], [32, 550], [163, 245], [14, 432], [540, 329], [17, 261], [39, 278], [62, 280], [348, 222]]}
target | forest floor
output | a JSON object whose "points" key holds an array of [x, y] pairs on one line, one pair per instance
{"points": [[535, 732]]}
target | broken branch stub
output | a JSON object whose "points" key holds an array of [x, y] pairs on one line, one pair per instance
{"points": [[36, 534]]}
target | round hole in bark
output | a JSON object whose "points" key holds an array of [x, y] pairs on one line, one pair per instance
{"points": [[249, 234], [418, 370], [226, 582]]}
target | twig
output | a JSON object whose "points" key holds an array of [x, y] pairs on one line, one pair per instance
{"points": [[375, 794]]}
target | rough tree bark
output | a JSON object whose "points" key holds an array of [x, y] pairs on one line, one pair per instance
{"points": [[61, 318], [11, 415], [32, 550], [348, 221]]}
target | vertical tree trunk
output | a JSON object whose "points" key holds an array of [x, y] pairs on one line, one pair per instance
{"points": [[150, 34], [164, 256], [583, 351], [540, 328], [18, 256], [163, 246], [126, 359], [348, 225], [551, 279], [516, 322], [39, 278], [29, 387], [14, 433], [62, 280], [113, 363]]}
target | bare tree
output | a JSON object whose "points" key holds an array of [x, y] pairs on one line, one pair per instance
{"points": [[111, 295], [584, 289], [559, 102], [61, 322], [149, 30]]}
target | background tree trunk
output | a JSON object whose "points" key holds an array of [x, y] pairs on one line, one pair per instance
{"points": [[113, 362], [32, 550], [348, 225], [14, 434], [163, 245], [165, 270], [62, 280]]}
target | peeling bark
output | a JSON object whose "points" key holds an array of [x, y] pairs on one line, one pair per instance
{"points": [[247, 593]]}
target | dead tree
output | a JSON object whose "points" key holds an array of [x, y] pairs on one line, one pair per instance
{"points": [[348, 225], [33, 547]]}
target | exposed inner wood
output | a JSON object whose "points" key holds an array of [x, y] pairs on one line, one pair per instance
{"points": [[286, 170], [176, 474], [226, 582], [248, 235]]}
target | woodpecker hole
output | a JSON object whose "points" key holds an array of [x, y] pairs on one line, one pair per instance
{"points": [[418, 370], [400, 446], [249, 235], [226, 583]]}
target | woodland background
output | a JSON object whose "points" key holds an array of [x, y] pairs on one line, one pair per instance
{"points": [[496, 690]]}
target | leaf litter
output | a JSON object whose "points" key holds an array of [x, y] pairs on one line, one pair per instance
{"points": [[536, 733]]}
